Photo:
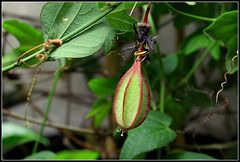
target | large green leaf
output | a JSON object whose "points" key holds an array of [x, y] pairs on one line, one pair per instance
{"points": [[225, 28], [28, 38], [99, 110], [77, 155], [13, 135], [103, 86], [61, 19], [152, 134], [189, 156], [41, 155]]}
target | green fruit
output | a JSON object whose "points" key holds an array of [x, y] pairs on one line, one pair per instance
{"points": [[132, 99]]}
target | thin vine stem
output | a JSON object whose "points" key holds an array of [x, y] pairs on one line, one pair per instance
{"points": [[189, 15], [69, 36], [161, 71], [7, 68], [196, 65], [154, 105], [47, 109]]}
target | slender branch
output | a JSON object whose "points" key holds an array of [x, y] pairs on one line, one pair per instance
{"points": [[47, 109], [67, 134], [69, 36], [133, 8], [189, 15], [54, 125]]}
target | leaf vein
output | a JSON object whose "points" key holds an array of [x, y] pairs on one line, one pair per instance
{"points": [[71, 21], [50, 30]]}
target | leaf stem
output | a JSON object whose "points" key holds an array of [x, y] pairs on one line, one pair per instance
{"points": [[47, 109], [189, 15], [200, 60], [162, 84], [69, 36]]}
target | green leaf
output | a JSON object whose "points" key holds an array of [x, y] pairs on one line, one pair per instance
{"points": [[120, 20], [215, 52], [170, 63], [99, 110], [191, 3], [41, 155], [103, 86], [12, 56], [200, 41], [154, 73], [28, 38], [108, 45], [224, 28], [189, 156], [158, 10], [196, 43], [56, 18], [102, 4], [195, 98], [152, 134], [123, 6], [77, 155], [60, 19], [177, 111], [13, 134], [24, 33], [65, 155]]}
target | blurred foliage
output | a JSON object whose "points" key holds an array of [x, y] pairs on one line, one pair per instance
{"points": [[158, 131]]}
